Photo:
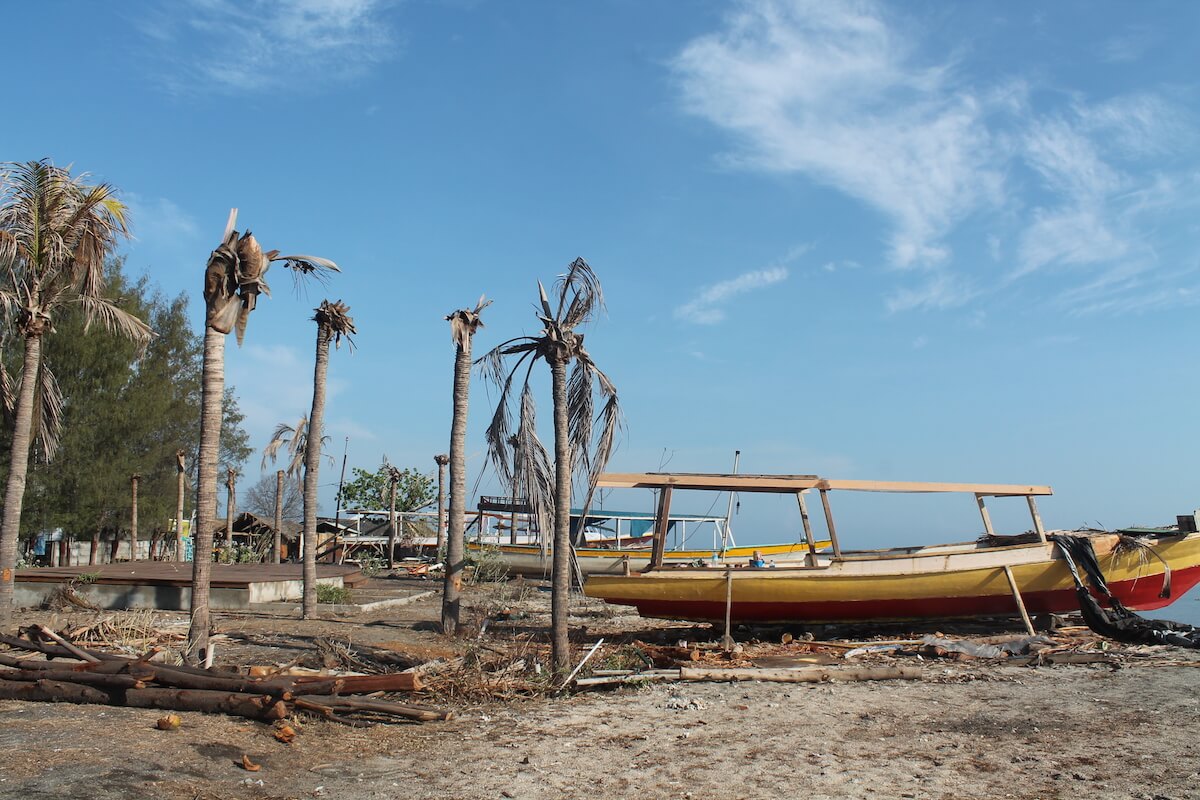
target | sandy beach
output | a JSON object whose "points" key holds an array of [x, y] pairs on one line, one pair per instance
{"points": [[966, 729]]}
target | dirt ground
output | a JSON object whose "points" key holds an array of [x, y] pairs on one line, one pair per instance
{"points": [[973, 729]]}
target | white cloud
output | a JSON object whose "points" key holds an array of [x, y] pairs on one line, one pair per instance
{"points": [[259, 45], [706, 307], [828, 90], [839, 93]]}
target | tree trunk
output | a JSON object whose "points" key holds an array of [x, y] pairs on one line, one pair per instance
{"points": [[179, 489], [391, 559], [213, 389], [451, 595], [133, 517], [94, 550], [277, 545], [560, 587], [441, 530], [230, 504], [312, 470], [18, 470]]}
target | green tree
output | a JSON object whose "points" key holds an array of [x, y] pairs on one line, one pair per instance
{"points": [[371, 491], [56, 232]]}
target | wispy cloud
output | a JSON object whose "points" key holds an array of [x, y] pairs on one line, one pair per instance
{"points": [[844, 94], [707, 307], [228, 46]]}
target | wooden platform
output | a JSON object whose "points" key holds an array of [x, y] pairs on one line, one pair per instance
{"points": [[166, 585]]}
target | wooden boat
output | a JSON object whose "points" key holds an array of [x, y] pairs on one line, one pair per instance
{"points": [[1145, 568]]}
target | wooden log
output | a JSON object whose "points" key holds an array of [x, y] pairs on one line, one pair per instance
{"points": [[115, 682], [358, 684], [52, 692], [82, 655], [261, 707], [635, 678], [419, 713], [806, 675], [55, 650]]}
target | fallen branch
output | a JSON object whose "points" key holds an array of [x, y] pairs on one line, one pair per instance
{"points": [[806, 675]]}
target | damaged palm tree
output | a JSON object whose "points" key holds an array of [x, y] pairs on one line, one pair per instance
{"points": [[463, 324], [294, 440], [233, 279], [578, 447], [333, 324], [55, 233]]}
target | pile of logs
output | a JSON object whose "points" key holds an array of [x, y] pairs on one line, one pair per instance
{"points": [[72, 674]]}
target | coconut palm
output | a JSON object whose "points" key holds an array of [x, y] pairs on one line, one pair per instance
{"points": [[180, 488], [134, 480], [441, 460], [393, 479], [233, 279], [293, 439], [277, 544], [333, 324], [578, 446], [55, 233], [463, 324], [230, 504]]}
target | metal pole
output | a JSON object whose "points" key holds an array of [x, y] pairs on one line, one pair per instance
{"points": [[337, 513], [737, 455]]}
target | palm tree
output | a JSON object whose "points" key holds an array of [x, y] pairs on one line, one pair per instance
{"points": [[55, 234], [333, 323], [294, 440], [463, 324], [230, 503], [277, 544], [180, 488], [233, 279], [134, 479], [576, 449], [441, 460], [393, 479]]}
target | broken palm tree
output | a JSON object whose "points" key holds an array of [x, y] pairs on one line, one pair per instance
{"points": [[233, 279]]}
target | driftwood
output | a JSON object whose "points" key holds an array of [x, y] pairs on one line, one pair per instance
{"points": [[806, 675], [108, 679]]}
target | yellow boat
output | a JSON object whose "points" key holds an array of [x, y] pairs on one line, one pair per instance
{"points": [[993, 576]]}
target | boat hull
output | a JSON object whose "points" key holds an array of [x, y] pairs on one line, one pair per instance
{"points": [[925, 584], [527, 560]]}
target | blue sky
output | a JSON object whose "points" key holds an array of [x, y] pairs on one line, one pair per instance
{"points": [[910, 241]]}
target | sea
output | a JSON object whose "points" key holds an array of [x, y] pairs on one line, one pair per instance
{"points": [[1185, 609]]}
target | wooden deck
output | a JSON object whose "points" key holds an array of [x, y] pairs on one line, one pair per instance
{"points": [[171, 573]]}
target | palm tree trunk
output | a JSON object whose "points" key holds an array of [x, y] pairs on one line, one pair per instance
{"points": [[94, 550], [277, 545], [442, 461], [560, 577], [230, 505], [391, 559], [179, 489], [312, 469], [451, 595], [18, 470], [133, 517], [212, 393]]}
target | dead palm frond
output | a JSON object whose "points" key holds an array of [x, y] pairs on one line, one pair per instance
{"points": [[335, 318], [464, 323], [592, 434], [236, 276]]}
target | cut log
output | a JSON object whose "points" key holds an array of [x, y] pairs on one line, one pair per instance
{"points": [[807, 675], [52, 691], [117, 682], [261, 707], [42, 630], [357, 684], [419, 713]]}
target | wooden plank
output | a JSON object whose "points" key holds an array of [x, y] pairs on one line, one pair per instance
{"points": [[808, 534], [1037, 518], [662, 524], [837, 548], [987, 489], [1012, 584], [983, 512], [713, 482]]}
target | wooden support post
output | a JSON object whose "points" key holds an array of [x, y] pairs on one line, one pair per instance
{"points": [[1016, 593], [811, 558], [727, 639], [833, 537], [661, 526], [1037, 518], [983, 512]]}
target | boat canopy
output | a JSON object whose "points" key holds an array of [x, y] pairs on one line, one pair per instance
{"points": [[799, 485]]}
